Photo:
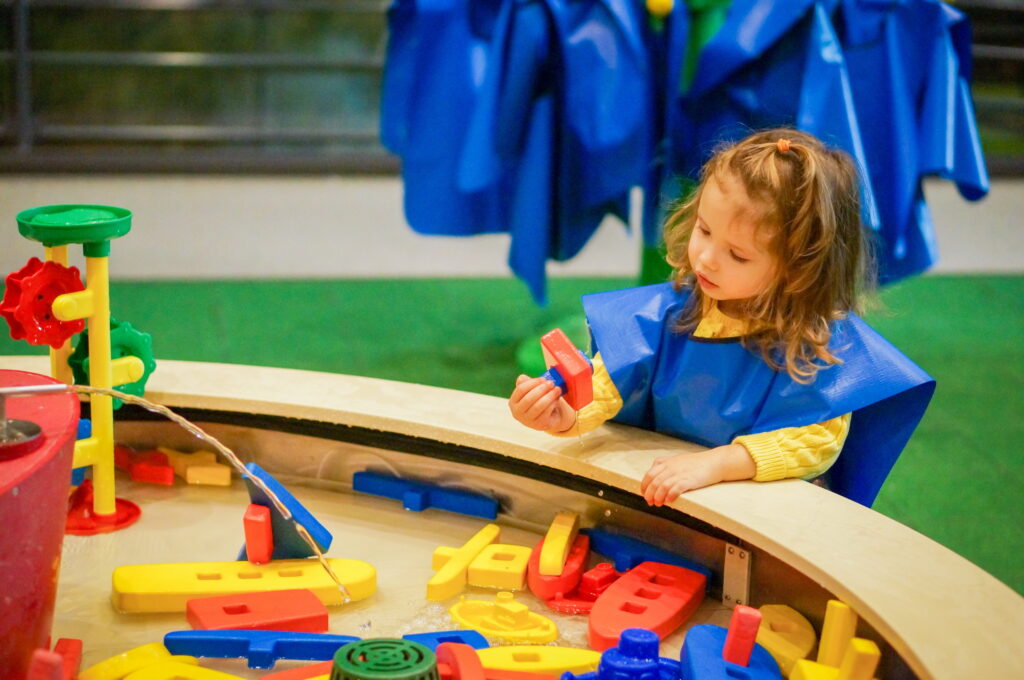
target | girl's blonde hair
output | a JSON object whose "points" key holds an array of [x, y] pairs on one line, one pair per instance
{"points": [[809, 196]]}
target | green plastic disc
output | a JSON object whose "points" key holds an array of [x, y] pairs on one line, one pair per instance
{"points": [[384, 659], [60, 225]]}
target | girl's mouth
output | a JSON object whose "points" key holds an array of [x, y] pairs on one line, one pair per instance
{"points": [[704, 282]]}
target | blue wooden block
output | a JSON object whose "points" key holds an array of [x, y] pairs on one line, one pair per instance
{"points": [[418, 496], [287, 542], [636, 657], [260, 648], [432, 640], [628, 552], [701, 658]]}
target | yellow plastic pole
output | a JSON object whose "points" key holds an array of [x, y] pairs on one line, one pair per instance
{"points": [[59, 367], [100, 375]]}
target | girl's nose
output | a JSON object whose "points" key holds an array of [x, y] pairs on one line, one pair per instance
{"points": [[707, 259]]}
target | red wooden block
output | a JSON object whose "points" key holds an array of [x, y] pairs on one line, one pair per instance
{"points": [[739, 641], [652, 595], [259, 534], [304, 673], [575, 370], [45, 665], [547, 587], [581, 601], [70, 651], [295, 610], [144, 466], [456, 661]]}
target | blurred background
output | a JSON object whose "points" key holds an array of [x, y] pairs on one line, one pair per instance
{"points": [[269, 228]]}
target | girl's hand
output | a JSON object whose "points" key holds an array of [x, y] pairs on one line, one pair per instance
{"points": [[537, 403], [669, 477]]}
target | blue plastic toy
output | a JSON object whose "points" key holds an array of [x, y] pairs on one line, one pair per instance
{"points": [[260, 648], [629, 552], [84, 432], [465, 637], [287, 542], [702, 658], [418, 496], [635, 658]]}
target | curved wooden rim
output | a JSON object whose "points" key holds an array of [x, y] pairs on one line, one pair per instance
{"points": [[945, 616]]}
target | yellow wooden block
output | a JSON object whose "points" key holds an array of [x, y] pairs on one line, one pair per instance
{"points": [[837, 630], [505, 619], [181, 461], [216, 474], [557, 543], [167, 587], [786, 634], [540, 659], [175, 670], [500, 566], [860, 660], [120, 666], [452, 564]]}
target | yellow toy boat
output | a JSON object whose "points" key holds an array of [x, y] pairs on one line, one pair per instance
{"points": [[504, 618]]}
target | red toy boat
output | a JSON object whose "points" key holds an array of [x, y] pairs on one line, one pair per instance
{"points": [[652, 595], [547, 587]]}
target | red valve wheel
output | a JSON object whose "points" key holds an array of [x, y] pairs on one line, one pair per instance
{"points": [[28, 303]]}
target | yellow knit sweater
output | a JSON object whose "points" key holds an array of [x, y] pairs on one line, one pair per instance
{"points": [[804, 452]]}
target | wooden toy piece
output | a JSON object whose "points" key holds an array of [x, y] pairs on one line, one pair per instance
{"points": [[581, 600], [176, 670], [458, 662], [418, 496], [740, 640], [288, 544], [316, 671], [499, 566], [294, 610], [144, 466], [259, 534], [659, 597], [547, 587], [505, 619], [702, 658], [837, 630], [542, 659], [169, 587], [452, 564], [214, 474], [182, 461], [860, 660], [557, 543], [786, 634], [260, 648], [122, 665], [571, 371]]}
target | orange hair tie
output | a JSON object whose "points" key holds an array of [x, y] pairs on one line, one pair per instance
{"points": [[783, 145]]}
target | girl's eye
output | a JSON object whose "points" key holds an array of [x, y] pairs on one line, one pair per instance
{"points": [[704, 231], [738, 258]]}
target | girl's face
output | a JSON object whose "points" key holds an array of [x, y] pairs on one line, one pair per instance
{"points": [[728, 252]]}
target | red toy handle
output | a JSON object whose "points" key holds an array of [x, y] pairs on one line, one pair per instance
{"points": [[569, 369], [742, 635]]}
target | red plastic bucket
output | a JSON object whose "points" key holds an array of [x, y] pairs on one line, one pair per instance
{"points": [[33, 507]]}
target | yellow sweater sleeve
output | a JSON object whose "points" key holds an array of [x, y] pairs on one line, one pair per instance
{"points": [[607, 403], [804, 452]]}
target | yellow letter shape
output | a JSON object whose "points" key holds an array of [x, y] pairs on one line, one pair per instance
{"points": [[182, 461], [557, 543], [838, 629], [786, 634], [859, 663], [168, 587], [452, 564], [500, 566]]}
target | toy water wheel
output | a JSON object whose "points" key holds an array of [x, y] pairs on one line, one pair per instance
{"points": [[27, 304]]}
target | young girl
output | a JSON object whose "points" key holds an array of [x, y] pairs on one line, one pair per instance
{"points": [[753, 350]]}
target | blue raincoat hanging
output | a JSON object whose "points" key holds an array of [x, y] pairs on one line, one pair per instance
{"points": [[711, 391], [910, 70]]}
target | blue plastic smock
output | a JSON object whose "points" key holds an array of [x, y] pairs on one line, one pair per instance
{"points": [[710, 391], [909, 64]]}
